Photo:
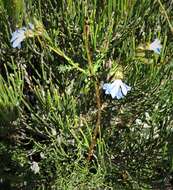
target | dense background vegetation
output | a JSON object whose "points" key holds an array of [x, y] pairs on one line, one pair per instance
{"points": [[48, 102]]}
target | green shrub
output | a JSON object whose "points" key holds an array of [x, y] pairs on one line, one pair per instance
{"points": [[54, 111]]}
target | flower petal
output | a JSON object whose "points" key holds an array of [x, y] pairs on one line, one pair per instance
{"points": [[19, 46], [125, 88], [17, 37], [157, 50], [119, 95], [114, 91], [155, 46], [17, 42], [14, 36], [107, 88]]}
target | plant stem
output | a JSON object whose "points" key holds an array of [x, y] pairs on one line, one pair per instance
{"points": [[97, 91], [60, 53], [70, 61], [97, 128]]}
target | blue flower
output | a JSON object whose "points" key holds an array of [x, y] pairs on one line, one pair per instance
{"points": [[20, 34], [17, 37], [155, 46], [116, 89]]}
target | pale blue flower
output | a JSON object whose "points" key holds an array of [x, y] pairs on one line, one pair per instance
{"points": [[20, 34], [116, 89], [17, 37], [155, 46]]}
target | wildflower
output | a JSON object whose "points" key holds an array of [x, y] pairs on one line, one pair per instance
{"points": [[35, 167], [17, 37], [155, 46], [20, 34], [116, 89]]}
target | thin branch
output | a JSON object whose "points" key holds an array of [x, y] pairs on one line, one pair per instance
{"points": [[97, 91]]}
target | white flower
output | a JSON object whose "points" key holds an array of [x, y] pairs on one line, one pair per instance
{"points": [[155, 46], [17, 37], [116, 89], [35, 167]]}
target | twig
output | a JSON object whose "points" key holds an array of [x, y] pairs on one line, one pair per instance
{"points": [[97, 91]]}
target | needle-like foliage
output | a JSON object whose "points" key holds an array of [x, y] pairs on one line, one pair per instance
{"points": [[59, 127]]}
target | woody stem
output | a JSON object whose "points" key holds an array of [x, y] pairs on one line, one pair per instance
{"points": [[97, 92]]}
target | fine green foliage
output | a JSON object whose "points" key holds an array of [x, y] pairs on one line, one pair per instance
{"points": [[54, 112]]}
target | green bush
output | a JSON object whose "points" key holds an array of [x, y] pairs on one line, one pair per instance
{"points": [[59, 130]]}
